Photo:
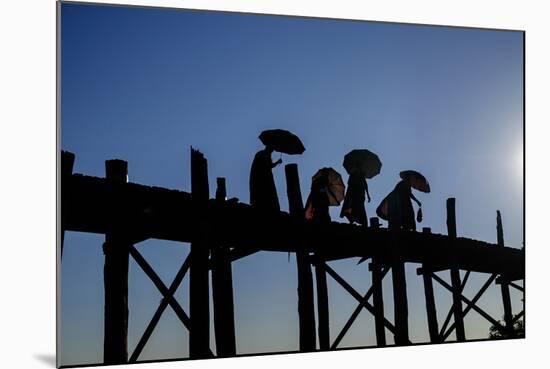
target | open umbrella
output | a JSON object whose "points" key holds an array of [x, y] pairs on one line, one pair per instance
{"points": [[415, 180], [282, 141], [334, 183], [363, 160]]}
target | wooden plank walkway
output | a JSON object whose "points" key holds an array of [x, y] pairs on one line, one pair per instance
{"points": [[152, 212]]}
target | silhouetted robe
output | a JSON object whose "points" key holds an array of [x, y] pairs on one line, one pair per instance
{"points": [[400, 208], [353, 207], [263, 193], [317, 205]]}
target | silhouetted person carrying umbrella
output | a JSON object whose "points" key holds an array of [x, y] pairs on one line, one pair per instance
{"points": [[327, 189], [360, 164], [397, 207], [263, 193]]}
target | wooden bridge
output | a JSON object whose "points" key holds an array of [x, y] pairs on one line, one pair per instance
{"points": [[221, 231]]}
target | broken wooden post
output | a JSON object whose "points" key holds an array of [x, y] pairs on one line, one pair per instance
{"points": [[455, 273], [306, 313], [378, 301], [431, 312], [67, 164], [222, 290], [199, 303], [115, 271], [323, 325], [504, 287]]}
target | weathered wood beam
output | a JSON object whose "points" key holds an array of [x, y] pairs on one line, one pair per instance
{"points": [[323, 325], [67, 164], [165, 292], [431, 311], [115, 271], [400, 303], [455, 273], [471, 304], [362, 305], [306, 312], [378, 273], [199, 290], [171, 215], [222, 289], [444, 334], [160, 309], [342, 282], [504, 286]]}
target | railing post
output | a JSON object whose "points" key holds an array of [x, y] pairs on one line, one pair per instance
{"points": [[115, 271], [222, 290], [455, 273], [199, 301], [306, 314]]}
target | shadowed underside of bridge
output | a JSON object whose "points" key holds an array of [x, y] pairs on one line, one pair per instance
{"points": [[221, 231]]}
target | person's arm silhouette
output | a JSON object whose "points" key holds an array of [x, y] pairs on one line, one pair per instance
{"points": [[415, 199], [367, 190]]}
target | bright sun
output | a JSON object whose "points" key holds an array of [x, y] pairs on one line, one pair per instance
{"points": [[519, 163]]}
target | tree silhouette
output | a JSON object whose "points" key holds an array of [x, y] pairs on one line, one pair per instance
{"points": [[518, 331]]}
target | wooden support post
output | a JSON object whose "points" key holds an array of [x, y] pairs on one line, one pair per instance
{"points": [[306, 314], [400, 304], [378, 301], [222, 291], [504, 287], [401, 309], [430, 300], [455, 273], [67, 164], [322, 307], [115, 273], [199, 302]]}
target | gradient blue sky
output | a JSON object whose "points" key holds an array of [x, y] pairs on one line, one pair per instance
{"points": [[144, 85]]}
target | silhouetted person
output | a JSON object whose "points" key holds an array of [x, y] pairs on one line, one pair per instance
{"points": [[318, 202], [263, 193], [400, 208], [354, 202]]}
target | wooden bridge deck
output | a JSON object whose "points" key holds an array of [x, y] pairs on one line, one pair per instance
{"points": [[92, 204]]}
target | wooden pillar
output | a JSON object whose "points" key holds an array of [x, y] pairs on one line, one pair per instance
{"points": [[401, 309], [431, 312], [222, 291], [400, 304], [455, 273], [199, 303], [115, 272], [67, 164], [504, 287], [378, 301], [323, 325], [306, 314]]}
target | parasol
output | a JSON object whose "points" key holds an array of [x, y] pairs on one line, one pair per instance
{"points": [[415, 180], [363, 160], [282, 141]]}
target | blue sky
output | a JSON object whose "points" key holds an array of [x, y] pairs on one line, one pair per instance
{"points": [[144, 85]]}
